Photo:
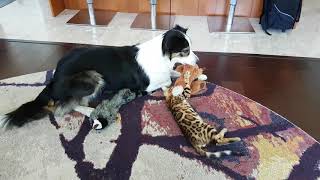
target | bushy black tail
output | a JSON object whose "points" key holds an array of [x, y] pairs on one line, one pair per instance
{"points": [[29, 111]]}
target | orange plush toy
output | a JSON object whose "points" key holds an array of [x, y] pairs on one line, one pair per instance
{"points": [[197, 77]]}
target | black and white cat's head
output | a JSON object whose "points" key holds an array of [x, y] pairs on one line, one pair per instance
{"points": [[177, 46]]}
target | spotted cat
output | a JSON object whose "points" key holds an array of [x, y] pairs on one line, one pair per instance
{"points": [[198, 132]]}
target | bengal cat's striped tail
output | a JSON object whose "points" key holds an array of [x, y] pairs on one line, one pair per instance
{"points": [[219, 154], [216, 154]]}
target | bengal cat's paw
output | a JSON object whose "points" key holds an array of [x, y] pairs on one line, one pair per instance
{"points": [[176, 91], [187, 75]]}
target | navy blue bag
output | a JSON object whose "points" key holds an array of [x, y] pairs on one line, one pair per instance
{"points": [[280, 14]]}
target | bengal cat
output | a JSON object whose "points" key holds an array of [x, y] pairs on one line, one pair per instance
{"points": [[198, 132]]}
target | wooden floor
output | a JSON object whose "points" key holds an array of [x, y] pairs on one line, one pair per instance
{"points": [[289, 86]]}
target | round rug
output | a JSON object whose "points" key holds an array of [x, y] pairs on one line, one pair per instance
{"points": [[148, 144]]}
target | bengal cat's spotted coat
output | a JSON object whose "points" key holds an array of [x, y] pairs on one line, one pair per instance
{"points": [[199, 133]]}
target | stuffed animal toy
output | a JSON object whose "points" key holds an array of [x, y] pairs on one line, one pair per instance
{"points": [[197, 78], [107, 111]]}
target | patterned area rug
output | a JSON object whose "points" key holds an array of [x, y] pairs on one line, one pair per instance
{"points": [[147, 143]]}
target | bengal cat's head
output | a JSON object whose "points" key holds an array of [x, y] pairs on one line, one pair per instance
{"points": [[174, 95]]}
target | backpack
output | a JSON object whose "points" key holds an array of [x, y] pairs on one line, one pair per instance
{"points": [[280, 14]]}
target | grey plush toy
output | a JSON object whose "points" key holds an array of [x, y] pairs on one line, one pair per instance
{"points": [[107, 111]]}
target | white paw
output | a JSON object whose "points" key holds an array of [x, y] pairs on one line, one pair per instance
{"points": [[176, 91], [202, 77], [96, 125]]}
